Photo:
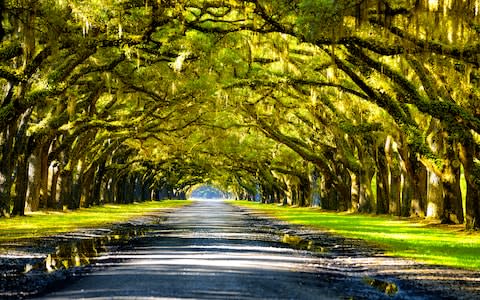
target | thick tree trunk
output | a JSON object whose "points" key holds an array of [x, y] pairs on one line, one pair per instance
{"points": [[74, 201], [435, 200], [305, 193], [22, 151], [146, 193], [289, 193], [366, 194], [328, 194], [54, 187], [452, 190], [6, 169], [86, 188], [34, 180], [467, 153], [395, 193], [315, 186], [44, 176], [66, 183], [109, 190], [344, 197], [121, 190], [395, 179], [95, 199], [435, 190], [355, 191], [407, 194], [408, 184], [383, 191], [418, 203], [21, 185], [343, 185], [137, 189]]}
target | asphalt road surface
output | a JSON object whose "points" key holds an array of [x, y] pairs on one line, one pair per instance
{"points": [[212, 250]]}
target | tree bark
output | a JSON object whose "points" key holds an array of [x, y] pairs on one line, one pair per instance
{"points": [[395, 179], [355, 191], [44, 176], [6, 168], [383, 191], [435, 200], [328, 194], [435, 190], [418, 203], [34, 180], [55, 182], [452, 190], [407, 179], [66, 184], [21, 184], [467, 152], [366, 194]]}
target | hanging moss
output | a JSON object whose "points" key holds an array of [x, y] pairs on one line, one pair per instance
{"points": [[9, 50], [7, 112]]}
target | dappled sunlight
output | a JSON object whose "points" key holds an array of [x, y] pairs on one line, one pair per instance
{"points": [[227, 253], [403, 238], [206, 258]]}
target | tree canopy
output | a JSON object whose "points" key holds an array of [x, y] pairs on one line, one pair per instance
{"points": [[369, 105]]}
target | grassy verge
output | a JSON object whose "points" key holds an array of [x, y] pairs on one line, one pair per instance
{"points": [[449, 246], [41, 224]]}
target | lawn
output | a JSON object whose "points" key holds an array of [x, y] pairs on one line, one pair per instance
{"points": [[40, 224], [442, 245]]}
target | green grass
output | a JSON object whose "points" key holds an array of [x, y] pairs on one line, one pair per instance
{"points": [[442, 245], [47, 223]]}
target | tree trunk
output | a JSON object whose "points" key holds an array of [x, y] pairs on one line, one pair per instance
{"points": [[328, 194], [43, 193], [22, 151], [435, 200], [452, 190], [355, 191], [435, 191], [395, 179], [407, 179], [21, 184], [97, 185], [6, 169], [34, 180], [467, 153], [305, 190], [366, 194], [383, 191], [86, 187], [315, 176], [343, 185], [66, 184], [137, 189], [54, 187], [419, 200], [395, 193]]}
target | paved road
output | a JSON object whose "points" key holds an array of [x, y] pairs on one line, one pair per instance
{"points": [[209, 250]]}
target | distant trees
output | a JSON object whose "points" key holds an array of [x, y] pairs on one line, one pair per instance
{"points": [[368, 106]]}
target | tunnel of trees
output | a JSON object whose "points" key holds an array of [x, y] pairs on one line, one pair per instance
{"points": [[350, 105]]}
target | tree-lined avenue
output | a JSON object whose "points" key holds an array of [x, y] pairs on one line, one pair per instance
{"points": [[363, 106]]}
